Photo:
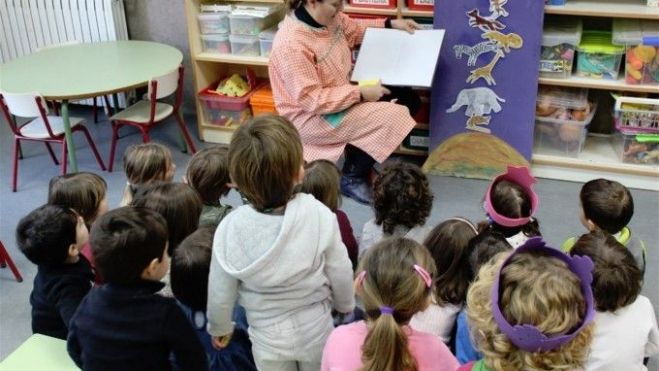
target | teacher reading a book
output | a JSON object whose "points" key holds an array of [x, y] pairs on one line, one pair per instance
{"points": [[309, 70]]}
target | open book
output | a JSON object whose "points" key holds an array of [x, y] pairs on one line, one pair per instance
{"points": [[397, 57]]}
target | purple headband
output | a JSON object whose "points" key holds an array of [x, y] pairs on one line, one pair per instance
{"points": [[528, 337], [521, 176]]}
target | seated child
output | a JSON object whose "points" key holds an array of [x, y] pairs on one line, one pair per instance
{"points": [[51, 237], [510, 203], [189, 278], [144, 164], [394, 282], [123, 325], [322, 179], [208, 174], [608, 206], [448, 244], [625, 323], [402, 200], [282, 254], [86, 193], [532, 310], [482, 249]]}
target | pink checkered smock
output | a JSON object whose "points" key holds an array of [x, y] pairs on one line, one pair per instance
{"points": [[310, 75]]}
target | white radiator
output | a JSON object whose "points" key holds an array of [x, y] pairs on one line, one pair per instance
{"points": [[28, 25]]}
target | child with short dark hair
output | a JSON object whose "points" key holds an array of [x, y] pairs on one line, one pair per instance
{"points": [[510, 204], [625, 324], [86, 193], [208, 174], [402, 201], [146, 163], [609, 206], [51, 237], [448, 243], [282, 254], [190, 267], [322, 179], [124, 325]]}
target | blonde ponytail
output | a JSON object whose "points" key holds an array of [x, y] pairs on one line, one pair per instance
{"points": [[385, 347]]}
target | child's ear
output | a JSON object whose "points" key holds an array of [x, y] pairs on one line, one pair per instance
{"points": [[151, 270], [590, 225], [300, 175], [73, 250]]}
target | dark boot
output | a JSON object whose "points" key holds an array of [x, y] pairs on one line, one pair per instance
{"points": [[356, 169]]}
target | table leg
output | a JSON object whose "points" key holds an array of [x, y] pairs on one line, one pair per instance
{"points": [[73, 162], [115, 103]]}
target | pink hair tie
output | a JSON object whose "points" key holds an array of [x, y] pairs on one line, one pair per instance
{"points": [[361, 277], [425, 276]]}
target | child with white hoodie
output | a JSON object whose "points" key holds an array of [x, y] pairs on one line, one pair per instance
{"points": [[280, 256]]}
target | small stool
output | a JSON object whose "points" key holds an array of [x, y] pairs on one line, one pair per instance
{"points": [[5, 260]]}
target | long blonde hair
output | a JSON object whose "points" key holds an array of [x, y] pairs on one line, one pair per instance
{"points": [[536, 289], [143, 164], [388, 281]]}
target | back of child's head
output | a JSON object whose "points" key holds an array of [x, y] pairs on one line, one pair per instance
{"points": [[146, 163], [321, 179], [616, 277], [265, 159], [483, 247], [401, 196], [208, 173], [394, 282], [532, 310], [178, 203], [125, 241], [46, 233], [510, 203], [83, 192], [190, 267], [607, 204], [448, 244]]}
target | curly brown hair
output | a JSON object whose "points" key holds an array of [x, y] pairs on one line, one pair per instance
{"points": [[401, 196]]}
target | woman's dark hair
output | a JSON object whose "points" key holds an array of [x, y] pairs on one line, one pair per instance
{"points": [[510, 200]]}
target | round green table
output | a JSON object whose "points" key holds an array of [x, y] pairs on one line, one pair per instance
{"points": [[87, 70]]}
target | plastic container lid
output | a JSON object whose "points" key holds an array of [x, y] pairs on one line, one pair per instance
{"points": [[259, 10], [215, 37], [243, 38], [263, 96], [562, 31], [627, 32], [573, 98], [216, 8], [268, 34], [211, 16], [599, 42]]}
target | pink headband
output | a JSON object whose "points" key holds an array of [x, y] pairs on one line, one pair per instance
{"points": [[522, 177]]}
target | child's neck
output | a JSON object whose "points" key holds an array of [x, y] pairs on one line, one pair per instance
{"points": [[72, 259]]}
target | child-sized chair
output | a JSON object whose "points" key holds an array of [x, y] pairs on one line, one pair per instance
{"points": [[5, 260], [146, 114], [43, 128]]}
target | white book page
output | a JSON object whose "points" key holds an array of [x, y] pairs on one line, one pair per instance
{"points": [[398, 58]]}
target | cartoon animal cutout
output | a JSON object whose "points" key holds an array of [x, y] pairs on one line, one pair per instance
{"points": [[474, 51], [505, 41], [485, 72], [479, 101], [474, 121], [484, 23], [497, 10]]}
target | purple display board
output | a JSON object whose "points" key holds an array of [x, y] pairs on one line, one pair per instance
{"points": [[483, 97]]}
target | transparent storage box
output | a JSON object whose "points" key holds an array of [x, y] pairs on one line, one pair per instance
{"points": [[223, 110], [637, 148], [245, 45], [218, 43], [265, 41], [641, 41], [637, 115], [249, 24], [213, 23], [597, 57], [560, 38]]}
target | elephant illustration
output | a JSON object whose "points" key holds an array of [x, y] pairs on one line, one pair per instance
{"points": [[479, 101]]}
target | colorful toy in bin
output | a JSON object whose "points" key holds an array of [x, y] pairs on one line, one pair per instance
{"points": [[640, 148], [598, 57], [637, 115], [642, 64], [225, 110], [560, 38]]}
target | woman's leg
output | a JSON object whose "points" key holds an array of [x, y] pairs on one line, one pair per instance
{"points": [[356, 170]]}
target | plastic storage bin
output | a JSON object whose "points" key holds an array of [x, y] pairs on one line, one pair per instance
{"points": [[249, 24], [225, 111], [597, 57], [638, 148], [560, 38], [265, 41], [421, 4], [244, 45], [262, 101], [641, 42], [213, 23], [637, 115], [218, 43], [562, 117], [390, 4]]}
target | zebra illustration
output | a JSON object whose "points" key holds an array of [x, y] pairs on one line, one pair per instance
{"points": [[474, 51]]}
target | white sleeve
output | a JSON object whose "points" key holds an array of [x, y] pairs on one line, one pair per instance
{"points": [[652, 346], [339, 271], [222, 294]]}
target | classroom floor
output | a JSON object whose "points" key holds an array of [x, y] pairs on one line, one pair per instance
{"points": [[558, 210]]}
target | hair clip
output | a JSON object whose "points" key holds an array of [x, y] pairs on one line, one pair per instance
{"points": [[466, 221], [386, 310], [425, 276], [528, 337], [361, 277], [520, 175]]}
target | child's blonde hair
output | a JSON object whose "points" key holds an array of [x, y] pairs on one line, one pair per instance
{"points": [[321, 179], [146, 163], [394, 283], [265, 157], [534, 289], [83, 192]]}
